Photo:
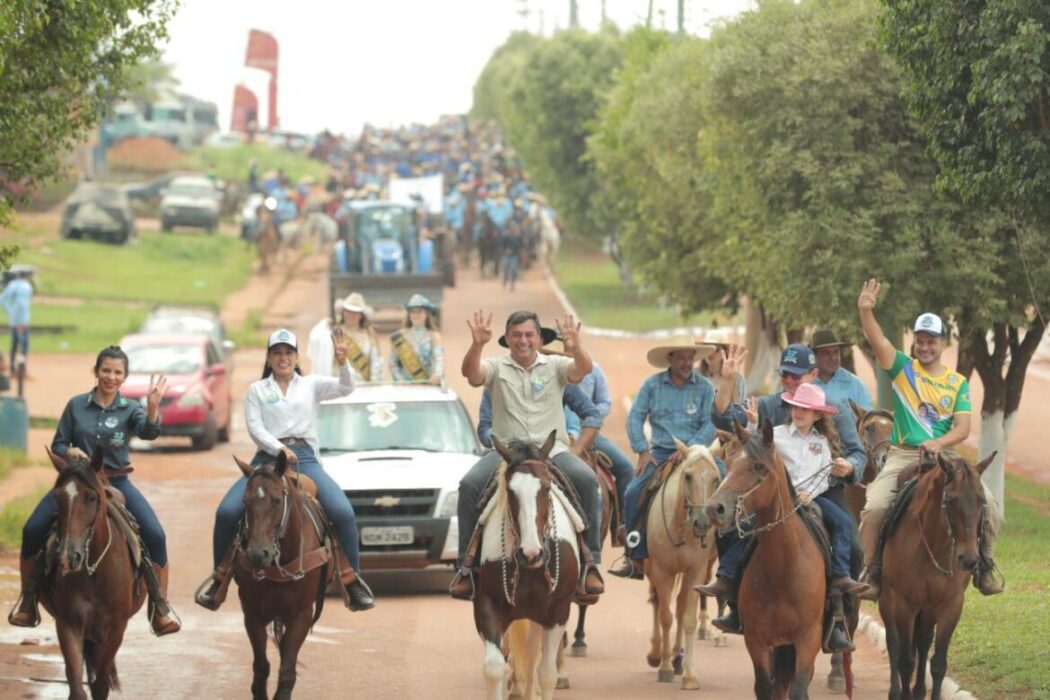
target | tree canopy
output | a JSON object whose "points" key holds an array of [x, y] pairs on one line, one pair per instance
{"points": [[61, 66]]}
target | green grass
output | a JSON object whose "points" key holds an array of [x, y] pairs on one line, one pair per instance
{"points": [[592, 283], [1000, 648], [89, 327], [251, 333], [13, 516], [176, 267], [231, 164]]}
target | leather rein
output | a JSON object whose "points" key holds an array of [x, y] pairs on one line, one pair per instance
{"points": [[549, 541], [276, 571]]}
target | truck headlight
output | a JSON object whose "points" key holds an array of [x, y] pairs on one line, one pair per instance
{"points": [[450, 505]]}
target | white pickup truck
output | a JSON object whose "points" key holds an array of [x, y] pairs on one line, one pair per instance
{"points": [[398, 452]]}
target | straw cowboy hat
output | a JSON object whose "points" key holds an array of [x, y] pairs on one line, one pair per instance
{"points": [[809, 396], [353, 302], [657, 356]]}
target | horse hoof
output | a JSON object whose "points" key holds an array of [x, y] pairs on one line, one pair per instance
{"points": [[654, 661], [837, 684], [690, 684], [665, 676], [676, 663], [579, 650], [562, 684]]}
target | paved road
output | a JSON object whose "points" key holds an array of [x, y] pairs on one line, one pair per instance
{"points": [[417, 643]]}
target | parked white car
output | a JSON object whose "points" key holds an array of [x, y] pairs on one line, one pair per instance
{"points": [[399, 452]]}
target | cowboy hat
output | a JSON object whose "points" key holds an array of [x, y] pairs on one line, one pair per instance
{"points": [[353, 302], [809, 396], [826, 338], [555, 347], [657, 356], [418, 301], [547, 336]]}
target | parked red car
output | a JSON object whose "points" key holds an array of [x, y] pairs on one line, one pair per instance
{"points": [[198, 401]]}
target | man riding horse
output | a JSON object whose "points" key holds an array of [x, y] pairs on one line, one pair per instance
{"points": [[678, 403], [798, 366], [931, 414], [526, 389]]}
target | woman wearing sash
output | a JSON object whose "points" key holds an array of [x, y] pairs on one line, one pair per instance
{"points": [[362, 346], [416, 353]]}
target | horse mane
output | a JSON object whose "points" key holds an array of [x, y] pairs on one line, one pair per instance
{"points": [[81, 470], [522, 451], [757, 450], [878, 413]]}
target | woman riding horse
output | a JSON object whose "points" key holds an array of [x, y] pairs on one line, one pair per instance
{"points": [[281, 412], [103, 418]]}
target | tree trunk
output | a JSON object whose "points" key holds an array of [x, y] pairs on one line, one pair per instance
{"points": [[1001, 365], [762, 339], [612, 246]]}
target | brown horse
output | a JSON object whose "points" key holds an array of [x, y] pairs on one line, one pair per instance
{"points": [[281, 569], [681, 546], [596, 461], [91, 590], [875, 429], [267, 241], [529, 568], [782, 590], [927, 560]]}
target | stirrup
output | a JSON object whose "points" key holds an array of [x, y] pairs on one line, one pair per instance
{"points": [[210, 585], [34, 612], [461, 574], [167, 610]]}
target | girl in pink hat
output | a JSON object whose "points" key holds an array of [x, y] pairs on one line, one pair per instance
{"points": [[808, 445]]}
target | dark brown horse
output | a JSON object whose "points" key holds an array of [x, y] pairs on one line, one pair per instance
{"points": [[529, 568], [282, 568], [607, 486], [91, 590], [927, 561], [782, 590]]}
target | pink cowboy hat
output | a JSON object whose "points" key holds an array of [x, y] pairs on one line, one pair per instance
{"points": [[809, 396]]}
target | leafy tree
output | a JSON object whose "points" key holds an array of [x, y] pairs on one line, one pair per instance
{"points": [[150, 80], [493, 87], [62, 62], [977, 74]]}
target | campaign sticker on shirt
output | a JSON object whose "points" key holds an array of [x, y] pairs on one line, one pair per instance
{"points": [[111, 422], [117, 440], [691, 408], [815, 448], [537, 384], [122, 402], [272, 397], [382, 415]]}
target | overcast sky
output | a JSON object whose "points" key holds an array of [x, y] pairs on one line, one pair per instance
{"points": [[387, 62]]}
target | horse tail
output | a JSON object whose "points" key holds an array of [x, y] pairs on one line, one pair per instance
{"points": [[783, 663]]}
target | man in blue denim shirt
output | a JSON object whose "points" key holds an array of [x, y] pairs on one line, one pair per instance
{"points": [[678, 403], [839, 384]]}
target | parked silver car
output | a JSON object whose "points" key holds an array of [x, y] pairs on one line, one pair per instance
{"points": [[98, 211], [190, 201]]}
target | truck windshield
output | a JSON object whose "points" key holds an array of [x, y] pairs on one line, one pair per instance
{"points": [[169, 114], [434, 426], [383, 223]]}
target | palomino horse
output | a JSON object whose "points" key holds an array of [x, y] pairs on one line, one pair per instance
{"points": [[282, 568], [928, 560], [593, 458], [92, 590], [782, 590], [529, 567], [681, 547]]}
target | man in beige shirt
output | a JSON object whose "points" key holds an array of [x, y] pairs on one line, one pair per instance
{"points": [[526, 388]]}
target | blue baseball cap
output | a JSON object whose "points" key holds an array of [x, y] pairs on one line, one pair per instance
{"points": [[797, 359]]}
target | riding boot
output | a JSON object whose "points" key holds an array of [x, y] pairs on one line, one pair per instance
{"points": [[358, 595], [591, 585], [26, 613], [212, 592], [162, 618], [719, 588], [848, 585], [987, 578], [871, 538], [462, 587], [836, 637], [730, 622], [625, 567]]}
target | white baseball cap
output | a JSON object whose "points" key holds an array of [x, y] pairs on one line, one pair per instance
{"points": [[929, 323], [283, 336]]}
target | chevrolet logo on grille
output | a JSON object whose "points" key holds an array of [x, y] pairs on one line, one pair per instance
{"points": [[386, 501]]}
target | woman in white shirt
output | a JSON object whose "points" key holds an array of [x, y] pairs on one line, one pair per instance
{"points": [[281, 414], [807, 446]]}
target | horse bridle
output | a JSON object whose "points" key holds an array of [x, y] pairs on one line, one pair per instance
{"points": [[742, 514], [689, 506], [950, 572], [877, 413], [549, 535], [99, 511], [285, 511]]}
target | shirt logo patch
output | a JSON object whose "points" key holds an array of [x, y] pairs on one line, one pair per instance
{"points": [[117, 440], [815, 448], [946, 401], [952, 379], [122, 402], [272, 397], [691, 408], [111, 422]]}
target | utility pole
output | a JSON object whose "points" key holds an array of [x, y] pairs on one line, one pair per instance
{"points": [[604, 16], [681, 16], [574, 14]]}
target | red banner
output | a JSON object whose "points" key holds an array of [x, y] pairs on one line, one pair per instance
{"points": [[245, 110], [262, 54]]}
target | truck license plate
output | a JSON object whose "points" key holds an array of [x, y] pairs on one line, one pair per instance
{"points": [[402, 534]]}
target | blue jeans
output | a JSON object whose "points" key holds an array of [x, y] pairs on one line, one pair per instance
{"points": [[730, 550], [335, 503], [839, 524], [34, 533], [622, 467], [19, 342], [632, 501]]}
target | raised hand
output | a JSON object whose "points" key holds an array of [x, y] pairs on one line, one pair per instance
{"points": [[751, 410], [481, 328], [158, 384], [569, 330], [339, 344], [869, 295], [734, 363]]}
